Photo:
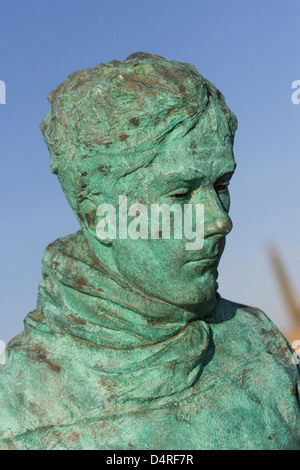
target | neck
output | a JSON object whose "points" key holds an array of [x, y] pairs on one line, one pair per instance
{"points": [[103, 257]]}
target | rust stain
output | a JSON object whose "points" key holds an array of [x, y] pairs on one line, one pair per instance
{"points": [[43, 358], [243, 375], [104, 169], [89, 218], [76, 320], [135, 121], [75, 436], [79, 283], [40, 354], [102, 142]]}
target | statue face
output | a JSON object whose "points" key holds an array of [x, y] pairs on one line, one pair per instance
{"points": [[191, 170], [179, 122]]}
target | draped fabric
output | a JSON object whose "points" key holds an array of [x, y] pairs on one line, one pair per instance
{"points": [[101, 365], [146, 347]]}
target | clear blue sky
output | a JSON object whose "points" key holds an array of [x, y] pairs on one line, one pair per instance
{"points": [[248, 49]]}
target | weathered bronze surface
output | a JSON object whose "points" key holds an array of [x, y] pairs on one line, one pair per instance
{"points": [[131, 346]]}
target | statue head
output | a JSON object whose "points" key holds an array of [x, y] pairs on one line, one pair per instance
{"points": [[153, 132]]}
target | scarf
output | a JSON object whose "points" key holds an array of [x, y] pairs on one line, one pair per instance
{"points": [[139, 346]]}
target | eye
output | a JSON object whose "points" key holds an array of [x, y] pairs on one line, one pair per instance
{"points": [[221, 187], [180, 194]]}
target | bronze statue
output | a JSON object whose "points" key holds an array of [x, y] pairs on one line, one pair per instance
{"points": [[131, 346]]}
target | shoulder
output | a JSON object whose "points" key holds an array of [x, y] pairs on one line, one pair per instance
{"points": [[255, 362], [252, 341], [254, 326]]}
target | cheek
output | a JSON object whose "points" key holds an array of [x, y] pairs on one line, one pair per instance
{"points": [[149, 258]]}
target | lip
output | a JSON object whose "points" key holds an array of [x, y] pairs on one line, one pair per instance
{"points": [[205, 261]]}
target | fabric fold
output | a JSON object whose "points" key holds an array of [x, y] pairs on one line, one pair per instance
{"points": [[143, 347]]}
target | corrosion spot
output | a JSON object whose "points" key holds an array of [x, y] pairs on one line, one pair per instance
{"points": [[135, 121], [104, 169], [76, 320], [89, 218], [43, 358]]}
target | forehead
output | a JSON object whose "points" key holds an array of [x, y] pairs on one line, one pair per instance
{"points": [[195, 153]]}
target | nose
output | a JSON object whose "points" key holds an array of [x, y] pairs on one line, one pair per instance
{"points": [[216, 219]]}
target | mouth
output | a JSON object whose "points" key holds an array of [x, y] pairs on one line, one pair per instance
{"points": [[204, 261], [210, 256]]}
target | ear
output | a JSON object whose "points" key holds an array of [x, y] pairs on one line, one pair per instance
{"points": [[99, 219]]}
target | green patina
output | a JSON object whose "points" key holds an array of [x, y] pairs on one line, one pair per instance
{"points": [[131, 346]]}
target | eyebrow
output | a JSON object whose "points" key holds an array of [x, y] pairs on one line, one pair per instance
{"points": [[192, 174], [188, 174]]}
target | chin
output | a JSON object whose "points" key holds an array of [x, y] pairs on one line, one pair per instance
{"points": [[193, 293], [206, 286]]}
